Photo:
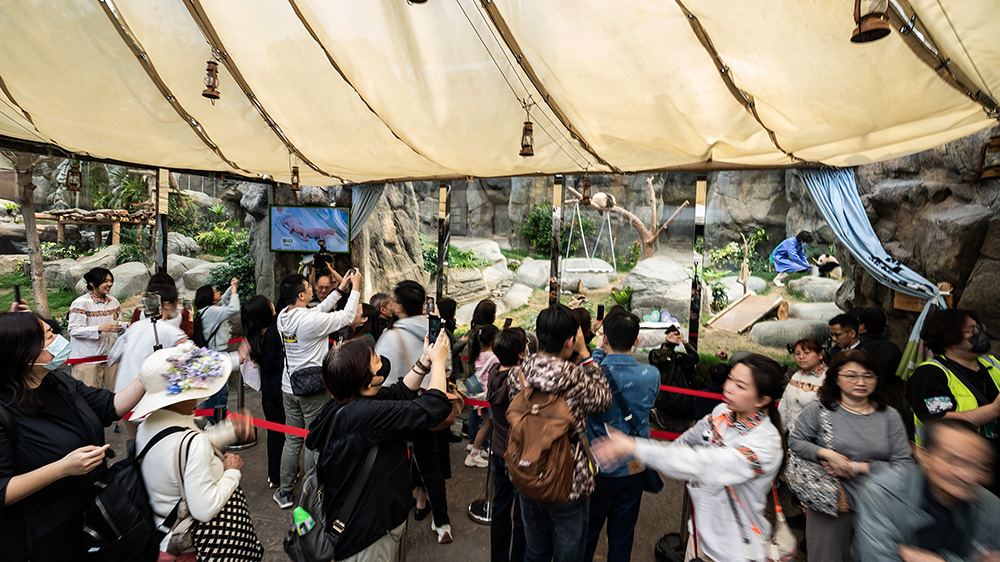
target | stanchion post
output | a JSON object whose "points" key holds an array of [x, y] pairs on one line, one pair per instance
{"points": [[240, 407], [554, 281], [481, 510]]}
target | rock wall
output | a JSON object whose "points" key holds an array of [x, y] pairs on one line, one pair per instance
{"points": [[934, 215], [388, 248]]}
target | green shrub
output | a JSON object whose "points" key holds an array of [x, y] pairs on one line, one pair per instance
{"points": [[240, 265], [461, 259], [124, 192], [623, 297], [219, 238], [537, 230], [135, 244], [730, 256]]}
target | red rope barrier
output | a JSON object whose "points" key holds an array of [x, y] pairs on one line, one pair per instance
{"points": [[689, 392], [81, 360]]}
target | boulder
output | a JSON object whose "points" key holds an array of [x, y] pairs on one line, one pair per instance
{"points": [[813, 310], [467, 285], [497, 276], [67, 272], [180, 244], [12, 264], [780, 334], [481, 248], [178, 265], [659, 283], [734, 290], [981, 294], [816, 289], [534, 273], [741, 202], [130, 279], [198, 276], [387, 250], [517, 296]]}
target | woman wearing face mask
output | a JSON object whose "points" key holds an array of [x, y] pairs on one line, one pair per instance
{"points": [[364, 416], [802, 388], [737, 450], [51, 442], [962, 380]]}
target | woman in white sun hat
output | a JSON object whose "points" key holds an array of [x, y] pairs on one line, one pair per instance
{"points": [[186, 463]]}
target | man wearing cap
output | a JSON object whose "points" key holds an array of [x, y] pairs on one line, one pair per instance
{"points": [[676, 361]]}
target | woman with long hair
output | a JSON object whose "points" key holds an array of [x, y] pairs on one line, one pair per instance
{"points": [[867, 437], [211, 326], [728, 458], [362, 418], [52, 446], [485, 314], [263, 345], [365, 323]]}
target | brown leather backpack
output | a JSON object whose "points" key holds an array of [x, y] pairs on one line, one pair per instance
{"points": [[539, 451]]}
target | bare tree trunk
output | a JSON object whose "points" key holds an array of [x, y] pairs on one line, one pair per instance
{"points": [[24, 164], [647, 237]]}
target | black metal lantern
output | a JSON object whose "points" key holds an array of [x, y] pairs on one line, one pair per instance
{"points": [[527, 140], [211, 90], [585, 191], [295, 180], [73, 178], [989, 159], [872, 20]]}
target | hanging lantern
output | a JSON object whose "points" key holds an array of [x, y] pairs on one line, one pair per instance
{"points": [[989, 159], [585, 199], [295, 179], [211, 90], [872, 19], [527, 140], [73, 178]]}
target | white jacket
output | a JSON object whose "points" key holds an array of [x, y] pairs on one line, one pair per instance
{"points": [[745, 456], [306, 333], [86, 314], [207, 485], [801, 391], [403, 344], [136, 344], [219, 315]]}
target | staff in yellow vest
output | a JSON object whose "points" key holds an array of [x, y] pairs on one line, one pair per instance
{"points": [[962, 380]]}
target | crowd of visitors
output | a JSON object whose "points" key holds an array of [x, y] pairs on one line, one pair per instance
{"points": [[566, 433]]}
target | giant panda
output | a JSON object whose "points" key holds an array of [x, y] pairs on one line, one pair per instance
{"points": [[829, 267]]}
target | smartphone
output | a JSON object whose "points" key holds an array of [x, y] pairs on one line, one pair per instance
{"points": [[429, 307], [151, 304], [17, 293], [507, 323], [600, 312], [433, 327]]}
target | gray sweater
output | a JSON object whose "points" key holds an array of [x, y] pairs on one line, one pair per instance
{"points": [[878, 438]]}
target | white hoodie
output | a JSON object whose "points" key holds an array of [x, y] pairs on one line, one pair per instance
{"points": [[403, 344], [306, 333]]}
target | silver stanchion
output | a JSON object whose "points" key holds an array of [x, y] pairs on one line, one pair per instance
{"points": [[481, 511], [240, 404]]}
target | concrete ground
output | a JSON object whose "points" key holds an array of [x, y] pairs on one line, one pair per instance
{"points": [[660, 513]]}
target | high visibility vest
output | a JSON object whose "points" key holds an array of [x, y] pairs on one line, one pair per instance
{"points": [[964, 399]]}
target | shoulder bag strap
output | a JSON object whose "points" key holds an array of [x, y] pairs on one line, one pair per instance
{"points": [[211, 337], [633, 429], [182, 454], [338, 526]]}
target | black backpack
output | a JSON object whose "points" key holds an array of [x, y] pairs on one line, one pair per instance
{"points": [[118, 522]]}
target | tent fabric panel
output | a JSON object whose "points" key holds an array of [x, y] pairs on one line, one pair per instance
{"points": [[426, 72], [67, 67], [317, 109], [968, 33], [815, 88]]}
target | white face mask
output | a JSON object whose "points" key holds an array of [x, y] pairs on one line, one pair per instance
{"points": [[59, 348]]}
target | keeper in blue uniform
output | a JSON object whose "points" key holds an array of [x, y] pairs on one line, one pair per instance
{"points": [[790, 256]]}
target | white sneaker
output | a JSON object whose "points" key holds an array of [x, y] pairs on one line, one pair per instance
{"points": [[468, 446], [444, 533], [475, 460]]}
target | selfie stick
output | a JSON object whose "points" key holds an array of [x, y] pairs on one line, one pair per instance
{"points": [[156, 337]]}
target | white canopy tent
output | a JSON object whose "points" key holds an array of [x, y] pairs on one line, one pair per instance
{"points": [[373, 90]]}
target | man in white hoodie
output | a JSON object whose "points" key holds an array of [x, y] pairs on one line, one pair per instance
{"points": [[305, 334]]}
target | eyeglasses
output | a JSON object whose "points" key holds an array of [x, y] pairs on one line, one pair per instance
{"points": [[854, 377]]}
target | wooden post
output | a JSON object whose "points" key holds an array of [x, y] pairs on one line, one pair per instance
{"points": [[557, 197], [701, 191], [61, 232], [161, 200], [116, 232], [98, 240], [444, 237]]}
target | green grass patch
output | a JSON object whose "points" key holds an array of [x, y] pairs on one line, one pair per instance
{"points": [[59, 297]]}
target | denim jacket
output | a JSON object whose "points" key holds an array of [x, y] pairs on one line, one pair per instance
{"points": [[639, 385]]}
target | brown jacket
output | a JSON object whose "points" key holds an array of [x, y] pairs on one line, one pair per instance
{"points": [[587, 393]]}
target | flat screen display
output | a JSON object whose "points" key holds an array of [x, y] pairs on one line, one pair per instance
{"points": [[299, 229]]}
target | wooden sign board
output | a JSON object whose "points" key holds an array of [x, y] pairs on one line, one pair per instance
{"points": [[903, 301], [747, 311]]}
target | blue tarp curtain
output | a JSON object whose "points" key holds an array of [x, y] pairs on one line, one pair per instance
{"points": [[364, 197], [835, 192]]}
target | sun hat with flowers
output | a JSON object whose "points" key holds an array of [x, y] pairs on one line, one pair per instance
{"points": [[181, 373]]}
